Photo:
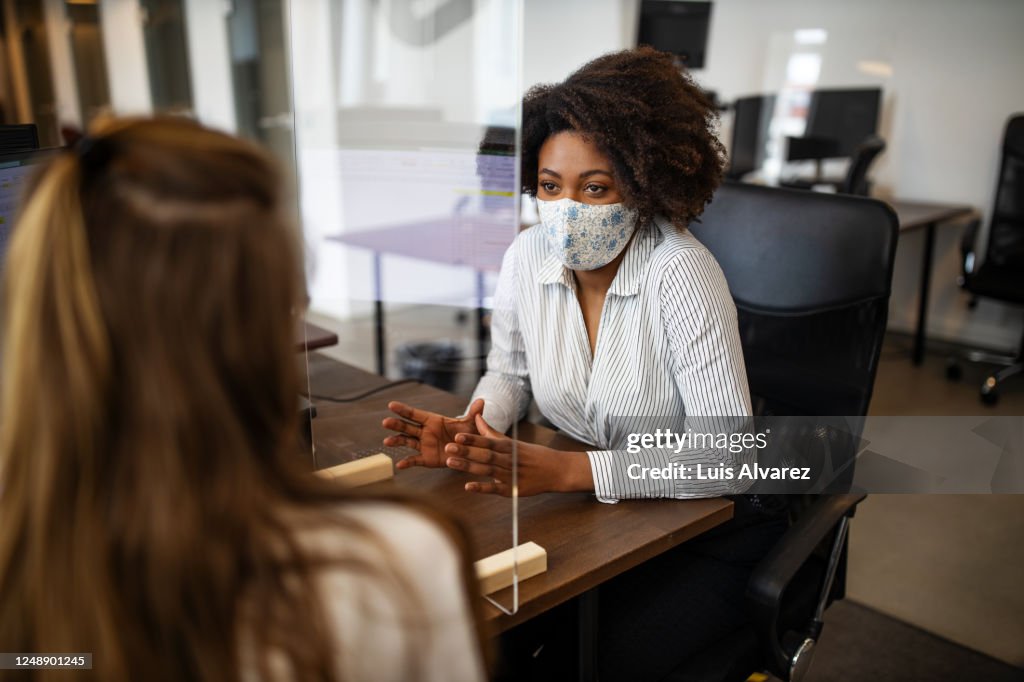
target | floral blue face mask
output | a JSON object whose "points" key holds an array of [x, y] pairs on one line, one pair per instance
{"points": [[586, 236]]}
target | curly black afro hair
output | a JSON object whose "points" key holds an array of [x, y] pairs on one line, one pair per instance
{"points": [[649, 118]]}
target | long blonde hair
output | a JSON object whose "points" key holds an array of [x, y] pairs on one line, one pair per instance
{"points": [[148, 415]]}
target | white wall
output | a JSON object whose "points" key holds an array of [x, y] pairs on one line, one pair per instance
{"points": [[955, 78], [561, 35]]}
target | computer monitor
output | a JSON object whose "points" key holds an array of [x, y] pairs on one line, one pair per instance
{"points": [[677, 27], [18, 138], [15, 172], [751, 118], [811, 148], [842, 119]]}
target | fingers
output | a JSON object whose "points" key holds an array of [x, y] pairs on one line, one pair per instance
{"points": [[483, 461], [503, 445], [470, 467], [392, 424], [409, 412], [476, 408], [489, 488], [402, 441], [485, 428], [411, 461]]}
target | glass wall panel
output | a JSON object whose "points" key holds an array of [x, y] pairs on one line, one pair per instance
{"points": [[406, 138], [167, 55], [89, 59], [259, 71]]}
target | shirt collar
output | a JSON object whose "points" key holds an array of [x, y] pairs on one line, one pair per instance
{"points": [[553, 272], [627, 279]]}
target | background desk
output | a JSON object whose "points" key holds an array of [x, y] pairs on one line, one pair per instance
{"points": [[587, 542], [475, 241], [914, 215], [311, 337]]}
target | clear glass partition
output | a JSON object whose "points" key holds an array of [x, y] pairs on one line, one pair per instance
{"points": [[405, 123], [258, 46]]}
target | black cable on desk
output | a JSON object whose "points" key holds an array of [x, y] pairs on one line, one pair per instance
{"points": [[354, 398]]}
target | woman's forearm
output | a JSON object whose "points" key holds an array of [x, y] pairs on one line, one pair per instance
{"points": [[577, 475]]}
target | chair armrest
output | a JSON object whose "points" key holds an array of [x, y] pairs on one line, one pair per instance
{"points": [[773, 574], [968, 257]]}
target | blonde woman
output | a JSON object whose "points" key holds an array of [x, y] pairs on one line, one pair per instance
{"points": [[154, 508]]}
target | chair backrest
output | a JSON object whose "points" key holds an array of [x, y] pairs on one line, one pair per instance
{"points": [[1006, 229], [810, 274], [856, 180]]}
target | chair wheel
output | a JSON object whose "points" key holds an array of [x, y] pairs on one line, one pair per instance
{"points": [[954, 372], [989, 396]]}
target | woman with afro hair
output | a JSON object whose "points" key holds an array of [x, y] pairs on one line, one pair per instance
{"points": [[612, 316]]}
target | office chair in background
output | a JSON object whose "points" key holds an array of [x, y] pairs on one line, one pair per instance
{"points": [[856, 179], [1001, 275], [811, 275]]}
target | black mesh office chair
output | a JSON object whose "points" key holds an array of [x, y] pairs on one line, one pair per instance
{"points": [[1001, 275], [811, 276]]}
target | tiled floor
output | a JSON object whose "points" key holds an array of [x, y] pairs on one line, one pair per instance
{"points": [[903, 389], [948, 564]]}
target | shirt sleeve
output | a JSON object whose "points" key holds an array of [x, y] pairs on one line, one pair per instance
{"points": [[700, 324], [389, 618], [505, 387], [425, 633]]}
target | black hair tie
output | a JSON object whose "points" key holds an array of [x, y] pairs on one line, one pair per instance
{"points": [[93, 153]]}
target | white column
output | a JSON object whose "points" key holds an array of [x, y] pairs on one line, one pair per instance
{"points": [[313, 75], [356, 53], [65, 82], [209, 58], [315, 102], [125, 47]]}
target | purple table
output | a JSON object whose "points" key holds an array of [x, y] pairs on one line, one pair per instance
{"points": [[476, 241]]}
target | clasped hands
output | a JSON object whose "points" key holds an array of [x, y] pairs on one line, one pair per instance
{"points": [[470, 445]]}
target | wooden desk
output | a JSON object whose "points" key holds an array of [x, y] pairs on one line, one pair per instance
{"points": [[914, 215], [587, 542]]}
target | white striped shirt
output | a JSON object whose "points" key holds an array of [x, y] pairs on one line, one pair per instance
{"points": [[667, 347]]}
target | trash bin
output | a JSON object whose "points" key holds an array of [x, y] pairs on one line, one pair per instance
{"points": [[433, 362]]}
